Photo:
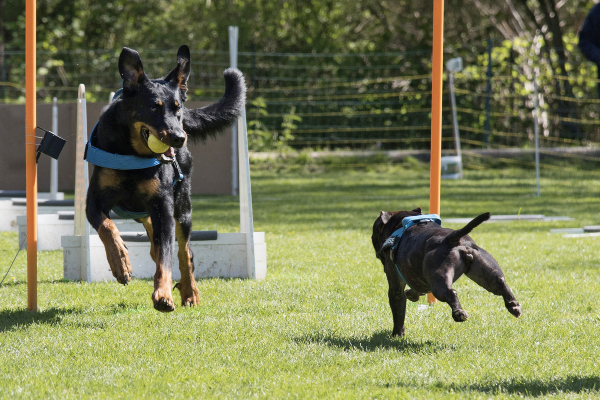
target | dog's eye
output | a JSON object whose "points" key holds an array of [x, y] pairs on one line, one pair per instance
{"points": [[154, 109]]}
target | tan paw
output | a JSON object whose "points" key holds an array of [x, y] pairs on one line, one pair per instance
{"points": [[163, 301], [118, 259], [190, 296]]}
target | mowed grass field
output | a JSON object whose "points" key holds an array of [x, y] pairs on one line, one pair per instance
{"points": [[319, 325]]}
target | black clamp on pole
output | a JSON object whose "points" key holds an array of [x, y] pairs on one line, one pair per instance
{"points": [[51, 145]]}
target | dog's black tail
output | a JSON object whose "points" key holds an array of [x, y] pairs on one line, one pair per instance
{"points": [[455, 236], [199, 123]]}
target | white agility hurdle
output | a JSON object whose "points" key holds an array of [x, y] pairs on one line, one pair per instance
{"points": [[13, 202], [55, 215], [226, 255], [51, 227], [12, 208]]}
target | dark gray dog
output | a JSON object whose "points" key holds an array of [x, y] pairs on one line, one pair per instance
{"points": [[429, 258]]}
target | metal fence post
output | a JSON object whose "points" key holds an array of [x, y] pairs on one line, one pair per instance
{"points": [[455, 65], [54, 161], [489, 93], [82, 228], [536, 132], [233, 53]]}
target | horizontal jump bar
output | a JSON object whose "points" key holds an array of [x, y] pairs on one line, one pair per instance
{"points": [[143, 237]]}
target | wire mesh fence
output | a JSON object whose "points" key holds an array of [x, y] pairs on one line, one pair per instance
{"points": [[375, 101]]}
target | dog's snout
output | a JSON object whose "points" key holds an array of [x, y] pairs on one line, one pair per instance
{"points": [[177, 139]]}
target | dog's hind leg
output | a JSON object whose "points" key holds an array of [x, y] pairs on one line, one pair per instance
{"points": [[442, 278], [485, 271], [147, 222], [187, 285]]}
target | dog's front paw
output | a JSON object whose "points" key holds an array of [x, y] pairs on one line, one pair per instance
{"points": [[163, 301], [118, 260], [123, 275], [121, 271], [514, 308], [190, 296], [460, 315]]}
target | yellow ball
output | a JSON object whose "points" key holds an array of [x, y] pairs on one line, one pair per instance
{"points": [[156, 145]]}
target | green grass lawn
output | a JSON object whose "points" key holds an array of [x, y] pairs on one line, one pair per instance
{"points": [[319, 325]]}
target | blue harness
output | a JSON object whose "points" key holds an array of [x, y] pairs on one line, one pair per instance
{"points": [[102, 158], [393, 241]]}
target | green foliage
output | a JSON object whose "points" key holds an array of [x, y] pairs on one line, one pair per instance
{"points": [[351, 69], [260, 138]]}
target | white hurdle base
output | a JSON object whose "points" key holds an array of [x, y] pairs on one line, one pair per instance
{"points": [[221, 258], [9, 213], [51, 228], [23, 194]]}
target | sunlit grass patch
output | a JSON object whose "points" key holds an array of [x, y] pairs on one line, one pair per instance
{"points": [[319, 325]]}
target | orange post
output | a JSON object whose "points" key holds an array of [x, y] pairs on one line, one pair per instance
{"points": [[436, 112], [30, 152]]}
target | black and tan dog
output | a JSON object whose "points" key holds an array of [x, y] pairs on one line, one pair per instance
{"points": [[150, 121], [429, 259]]}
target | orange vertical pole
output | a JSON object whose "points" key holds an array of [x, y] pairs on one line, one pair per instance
{"points": [[436, 112], [30, 152]]}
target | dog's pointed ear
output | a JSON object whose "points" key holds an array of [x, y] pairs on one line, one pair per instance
{"points": [[180, 74], [131, 69], [418, 210], [385, 216]]}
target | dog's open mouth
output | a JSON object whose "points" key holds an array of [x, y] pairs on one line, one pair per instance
{"points": [[164, 153]]}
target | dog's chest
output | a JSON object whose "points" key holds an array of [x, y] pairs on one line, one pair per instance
{"points": [[129, 185]]}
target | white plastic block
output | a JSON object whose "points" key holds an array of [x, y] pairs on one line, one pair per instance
{"points": [[9, 213], [224, 258], [51, 228]]}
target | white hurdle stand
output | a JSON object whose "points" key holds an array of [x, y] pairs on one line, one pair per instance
{"points": [[231, 255], [52, 226]]}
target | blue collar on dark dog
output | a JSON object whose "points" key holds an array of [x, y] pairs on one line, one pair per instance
{"points": [[393, 241], [102, 158]]}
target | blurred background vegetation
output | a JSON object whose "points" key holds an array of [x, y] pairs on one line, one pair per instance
{"points": [[328, 73]]}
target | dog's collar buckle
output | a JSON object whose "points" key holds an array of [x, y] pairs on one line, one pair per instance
{"points": [[178, 173]]}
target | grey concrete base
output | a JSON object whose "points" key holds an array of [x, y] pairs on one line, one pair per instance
{"points": [[580, 235], [504, 218]]}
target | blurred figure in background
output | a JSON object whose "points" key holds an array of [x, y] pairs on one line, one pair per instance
{"points": [[589, 38]]}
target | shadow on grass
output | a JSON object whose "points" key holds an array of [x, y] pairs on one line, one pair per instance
{"points": [[10, 319], [378, 341], [537, 387], [522, 387]]}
